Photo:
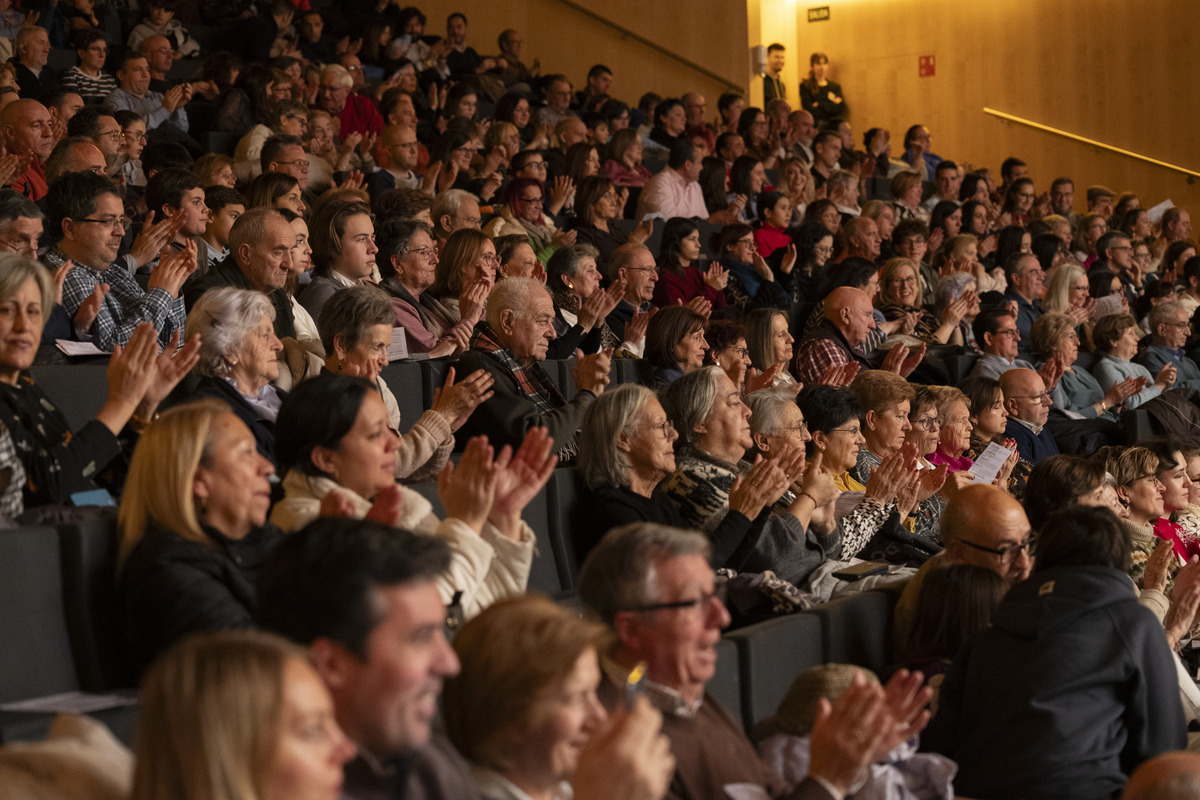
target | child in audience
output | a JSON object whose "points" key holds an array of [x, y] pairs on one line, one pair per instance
{"points": [[160, 21]]}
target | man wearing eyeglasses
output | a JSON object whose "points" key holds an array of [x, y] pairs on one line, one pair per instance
{"points": [[159, 58], [1170, 327], [355, 113], [403, 150], [996, 332], [98, 124], [1028, 405], [633, 263], [653, 585], [982, 525], [87, 223], [1025, 281]]}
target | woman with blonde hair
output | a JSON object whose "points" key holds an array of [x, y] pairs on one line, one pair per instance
{"points": [[193, 527], [798, 186], [525, 704], [961, 254], [906, 197], [237, 716], [899, 297]]}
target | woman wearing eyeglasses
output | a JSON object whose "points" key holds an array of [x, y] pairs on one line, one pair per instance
{"points": [[752, 283], [900, 295], [873, 526], [1053, 336], [1116, 337], [408, 260], [524, 203], [466, 273], [713, 483]]}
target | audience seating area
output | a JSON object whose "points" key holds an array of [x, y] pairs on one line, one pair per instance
{"points": [[63, 627]]}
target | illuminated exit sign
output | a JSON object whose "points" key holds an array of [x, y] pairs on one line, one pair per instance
{"points": [[818, 14]]}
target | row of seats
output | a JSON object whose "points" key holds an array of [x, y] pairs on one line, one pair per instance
{"points": [[63, 626]]}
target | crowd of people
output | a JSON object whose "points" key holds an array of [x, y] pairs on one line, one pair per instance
{"points": [[844, 355]]}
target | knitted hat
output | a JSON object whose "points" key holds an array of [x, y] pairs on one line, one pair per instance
{"points": [[798, 710]]}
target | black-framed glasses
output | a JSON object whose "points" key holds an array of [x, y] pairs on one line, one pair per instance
{"points": [[1008, 553], [928, 424], [719, 593], [666, 427], [112, 223]]}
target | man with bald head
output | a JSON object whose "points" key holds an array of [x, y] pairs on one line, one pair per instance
{"points": [[569, 131], [26, 129], [1171, 776], [798, 137], [696, 109], [1028, 405], [260, 255], [862, 238], [403, 149], [74, 154], [839, 339], [159, 58], [982, 525]]}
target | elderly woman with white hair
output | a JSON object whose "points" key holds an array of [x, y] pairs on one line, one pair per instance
{"points": [[707, 410], [626, 448], [509, 345], [239, 358]]}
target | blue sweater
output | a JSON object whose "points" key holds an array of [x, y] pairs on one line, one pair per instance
{"points": [[1033, 448]]}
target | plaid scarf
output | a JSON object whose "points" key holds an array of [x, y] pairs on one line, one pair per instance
{"points": [[532, 380]]}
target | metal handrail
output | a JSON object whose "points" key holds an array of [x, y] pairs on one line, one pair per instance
{"points": [[652, 45], [1104, 146]]}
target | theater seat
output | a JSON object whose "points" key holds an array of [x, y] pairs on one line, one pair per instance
{"points": [[770, 655], [726, 684], [95, 620], [857, 630], [563, 490], [35, 660], [79, 390], [543, 575], [404, 379], [959, 366]]}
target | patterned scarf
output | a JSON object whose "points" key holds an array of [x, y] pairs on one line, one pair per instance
{"points": [[532, 381]]}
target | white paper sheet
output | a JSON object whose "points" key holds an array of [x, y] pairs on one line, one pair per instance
{"points": [[79, 348], [1109, 304], [71, 703], [989, 463]]}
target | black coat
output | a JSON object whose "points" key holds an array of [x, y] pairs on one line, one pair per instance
{"points": [[262, 428], [226, 273], [173, 586], [1070, 689]]}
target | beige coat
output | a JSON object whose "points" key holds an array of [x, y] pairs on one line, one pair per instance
{"points": [[485, 568]]}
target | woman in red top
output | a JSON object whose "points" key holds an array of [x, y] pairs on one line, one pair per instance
{"points": [[680, 280]]}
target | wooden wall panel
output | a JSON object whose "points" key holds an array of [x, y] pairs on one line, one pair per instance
{"points": [[708, 32], [1102, 69]]}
